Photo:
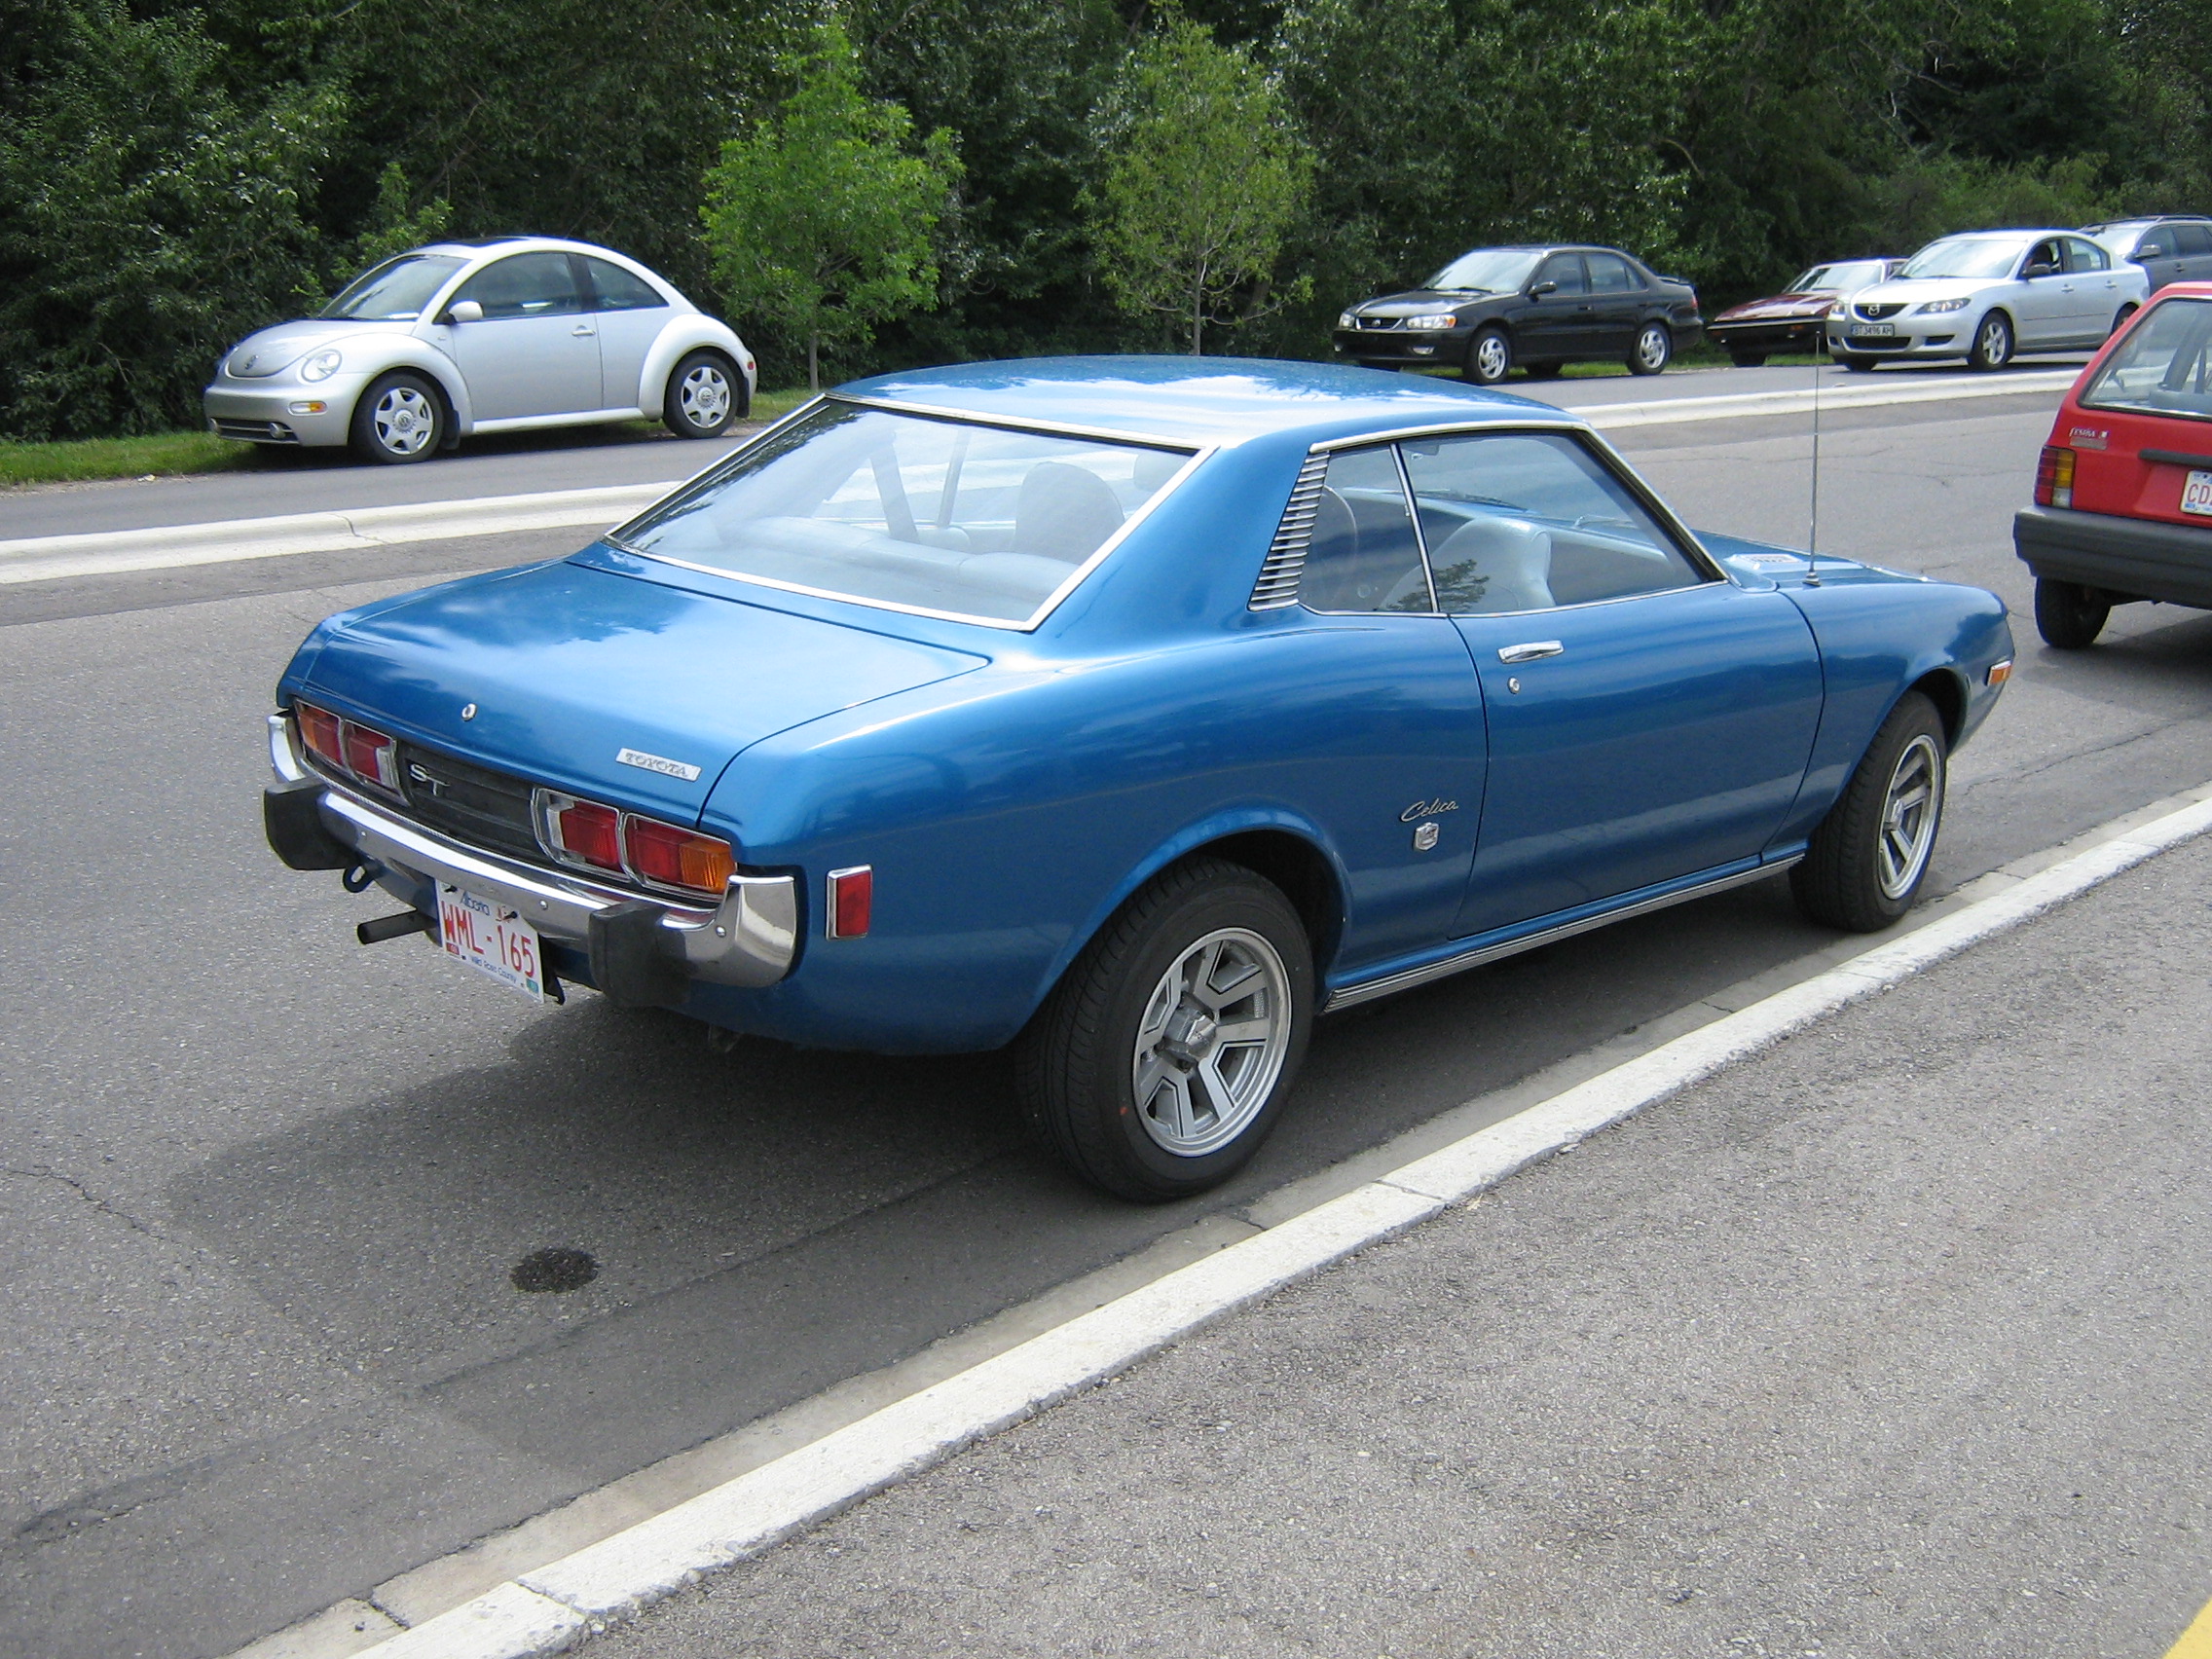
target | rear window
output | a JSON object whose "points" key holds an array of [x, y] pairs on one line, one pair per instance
{"points": [[2161, 367], [980, 524]]}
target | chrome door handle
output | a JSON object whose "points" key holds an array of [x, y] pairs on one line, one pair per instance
{"points": [[1530, 651], [583, 329]]}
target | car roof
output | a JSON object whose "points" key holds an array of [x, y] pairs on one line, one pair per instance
{"points": [[1199, 401], [477, 247]]}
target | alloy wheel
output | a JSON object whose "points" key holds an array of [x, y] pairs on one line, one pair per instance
{"points": [[1909, 810], [1652, 348], [1212, 1043], [1493, 358]]}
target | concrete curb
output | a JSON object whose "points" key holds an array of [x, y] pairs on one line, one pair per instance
{"points": [[44, 558], [550, 1608]]}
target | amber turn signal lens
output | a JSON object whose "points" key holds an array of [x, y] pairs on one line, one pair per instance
{"points": [[668, 857], [320, 731], [2054, 477], [2000, 672]]}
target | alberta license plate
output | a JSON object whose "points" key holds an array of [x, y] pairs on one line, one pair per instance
{"points": [[1873, 330], [492, 940], [2197, 494]]}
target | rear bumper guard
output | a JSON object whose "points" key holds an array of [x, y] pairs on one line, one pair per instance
{"points": [[642, 953]]}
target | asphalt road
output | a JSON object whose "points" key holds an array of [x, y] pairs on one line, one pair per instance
{"points": [[1887, 1345], [263, 1188]]}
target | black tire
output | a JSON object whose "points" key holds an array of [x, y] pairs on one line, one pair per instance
{"points": [[1653, 350], [1993, 342], [1857, 362], [1076, 1066], [1490, 356], [400, 420], [1748, 359], [1854, 875], [704, 394], [2120, 317], [2068, 615], [1543, 371]]}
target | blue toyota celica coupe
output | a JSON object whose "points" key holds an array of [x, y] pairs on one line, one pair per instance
{"points": [[1130, 710]]}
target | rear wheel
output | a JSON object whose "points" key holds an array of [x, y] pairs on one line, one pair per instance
{"points": [[400, 420], [1163, 1059], [1543, 371], [1653, 350], [2119, 318], [1857, 362], [1490, 356], [1871, 853], [2068, 615], [704, 394], [1992, 343]]}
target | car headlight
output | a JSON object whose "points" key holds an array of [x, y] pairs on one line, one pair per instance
{"points": [[321, 366], [1345, 319], [1435, 319], [1935, 305]]}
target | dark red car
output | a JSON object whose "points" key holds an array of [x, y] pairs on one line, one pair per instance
{"points": [[2124, 488], [1792, 320]]}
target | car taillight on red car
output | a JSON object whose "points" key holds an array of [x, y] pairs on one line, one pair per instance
{"points": [[2055, 476], [591, 836]]}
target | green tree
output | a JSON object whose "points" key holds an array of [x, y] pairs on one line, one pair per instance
{"points": [[820, 220], [1205, 174]]}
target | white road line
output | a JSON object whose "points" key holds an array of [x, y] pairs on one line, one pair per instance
{"points": [[45, 558], [550, 1608]]}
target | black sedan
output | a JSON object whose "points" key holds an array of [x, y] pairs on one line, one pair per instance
{"points": [[1534, 308]]}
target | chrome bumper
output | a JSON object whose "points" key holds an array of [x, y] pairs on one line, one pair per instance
{"points": [[749, 940]]}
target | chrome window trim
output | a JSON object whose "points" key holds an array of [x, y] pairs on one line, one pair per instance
{"points": [[1196, 458]]}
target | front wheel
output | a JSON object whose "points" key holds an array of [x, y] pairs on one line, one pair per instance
{"points": [[1488, 357], [1871, 853], [1856, 361], [1163, 1059], [400, 420], [704, 396], [1543, 371], [1654, 349], [2068, 615], [2119, 318], [1992, 343], [1748, 359]]}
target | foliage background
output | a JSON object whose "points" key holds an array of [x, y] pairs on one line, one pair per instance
{"points": [[173, 174]]}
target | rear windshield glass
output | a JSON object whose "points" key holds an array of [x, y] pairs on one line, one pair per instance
{"points": [[973, 522], [395, 291], [1965, 257], [2162, 365], [1487, 271]]}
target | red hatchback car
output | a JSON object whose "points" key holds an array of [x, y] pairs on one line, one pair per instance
{"points": [[2124, 488]]}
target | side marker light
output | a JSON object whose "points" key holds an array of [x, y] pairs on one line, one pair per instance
{"points": [[2000, 672], [852, 899]]}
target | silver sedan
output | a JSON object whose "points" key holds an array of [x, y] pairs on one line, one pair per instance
{"points": [[1985, 295], [460, 337]]}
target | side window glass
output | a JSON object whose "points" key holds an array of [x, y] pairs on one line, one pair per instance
{"points": [[1363, 554], [528, 285], [2044, 254], [1565, 269], [2189, 239], [1609, 274], [1526, 521], [617, 289], [2085, 256]]}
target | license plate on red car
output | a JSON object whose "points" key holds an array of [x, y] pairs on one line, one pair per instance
{"points": [[490, 939], [2197, 494]]}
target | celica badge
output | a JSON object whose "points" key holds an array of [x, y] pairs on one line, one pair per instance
{"points": [[1427, 809], [661, 764]]}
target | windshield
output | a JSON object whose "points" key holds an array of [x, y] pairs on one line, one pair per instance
{"points": [[976, 523], [2164, 365], [395, 291], [1487, 270], [1964, 256], [1845, 277]]}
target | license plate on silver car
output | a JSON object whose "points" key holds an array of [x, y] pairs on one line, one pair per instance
{"points": [[490, 939], [1873, 330]]}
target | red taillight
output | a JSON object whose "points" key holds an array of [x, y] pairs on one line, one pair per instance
{"points": [[320, 731], [2054, 477], [581, 832], [852, 899], [370, 755], [664, 856]]}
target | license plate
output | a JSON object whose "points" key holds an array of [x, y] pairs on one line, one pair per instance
{"points": [[1873, 330], [2197, 494], [490, 939]]}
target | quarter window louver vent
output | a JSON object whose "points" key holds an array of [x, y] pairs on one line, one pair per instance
{"points": [[1277, 586]]}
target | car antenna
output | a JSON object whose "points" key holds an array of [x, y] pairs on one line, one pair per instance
{"points": [[1813, 528]]}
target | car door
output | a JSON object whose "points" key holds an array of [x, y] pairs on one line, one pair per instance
{"points": [[1647, 719], [629, 313], [2043, 308], [2193, 251], [1555, 324], [2156, 253], [2092, 280], [1617, 300], [534, 352]]}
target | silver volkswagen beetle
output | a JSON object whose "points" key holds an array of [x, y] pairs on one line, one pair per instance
{"points": [[463, 337], [1985, 295]]}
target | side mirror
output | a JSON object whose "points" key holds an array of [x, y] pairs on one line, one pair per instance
{"points": [[2040, 268], [2150, 250], [464, 311], [1538, 290]]}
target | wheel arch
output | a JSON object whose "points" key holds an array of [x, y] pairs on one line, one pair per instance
{"points": [[445, 380], [1946, 689], [686, 332]]}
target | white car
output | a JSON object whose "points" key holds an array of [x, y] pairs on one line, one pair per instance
{"points": [[1987, 295], [464, 337]]}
